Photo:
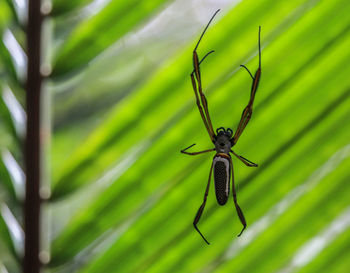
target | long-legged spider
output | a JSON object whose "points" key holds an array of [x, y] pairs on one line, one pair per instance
{"points": [[222, 139]]}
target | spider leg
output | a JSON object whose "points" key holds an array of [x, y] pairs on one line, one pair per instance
{"points": [[206, 55], [244, 160], [238, 209], [203, 101], [202, 96], [201, 208], [248, 110], [247, 71], [195, 153], [194, 85]]}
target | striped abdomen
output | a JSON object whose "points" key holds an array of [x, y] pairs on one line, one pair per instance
{"points": [[221, 177]]}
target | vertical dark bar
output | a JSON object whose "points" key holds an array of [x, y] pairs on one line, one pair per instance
{"points": [[31, 263]]}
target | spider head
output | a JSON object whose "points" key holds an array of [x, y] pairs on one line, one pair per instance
{"points": [[221, 131], [222, 140]]}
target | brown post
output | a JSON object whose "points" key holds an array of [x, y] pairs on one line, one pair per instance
{"points": [[31, 263]]}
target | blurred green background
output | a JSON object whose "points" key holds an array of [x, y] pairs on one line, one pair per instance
{"points": [[118, 107]]}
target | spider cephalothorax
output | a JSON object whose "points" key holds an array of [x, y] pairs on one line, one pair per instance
{"points": [[223, 140]]}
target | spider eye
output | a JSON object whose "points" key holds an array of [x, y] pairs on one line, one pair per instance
{"points": [[222, 144]]}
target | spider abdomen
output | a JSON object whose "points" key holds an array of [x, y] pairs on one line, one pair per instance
{"points": [[221, 178]]}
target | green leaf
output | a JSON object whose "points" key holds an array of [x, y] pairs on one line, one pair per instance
{"points": [[5, 116], [10, 232], [5, 15], [299, 135], [168, 85], [6, 60], [93, 36], [61, 7], [6, 178]]}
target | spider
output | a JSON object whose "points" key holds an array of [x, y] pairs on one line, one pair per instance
{"points": [[223, 139]]}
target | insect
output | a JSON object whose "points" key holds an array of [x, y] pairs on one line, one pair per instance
{"points": [[223, 139]]}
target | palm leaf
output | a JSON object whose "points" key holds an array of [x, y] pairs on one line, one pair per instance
{"points": [[124, 198]]}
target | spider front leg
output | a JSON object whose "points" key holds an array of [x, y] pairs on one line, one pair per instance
{"points": [[210, 132], [195, 153], [207, 122], [248, 110], [196, 81], [194, 85], [201, 94]]}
